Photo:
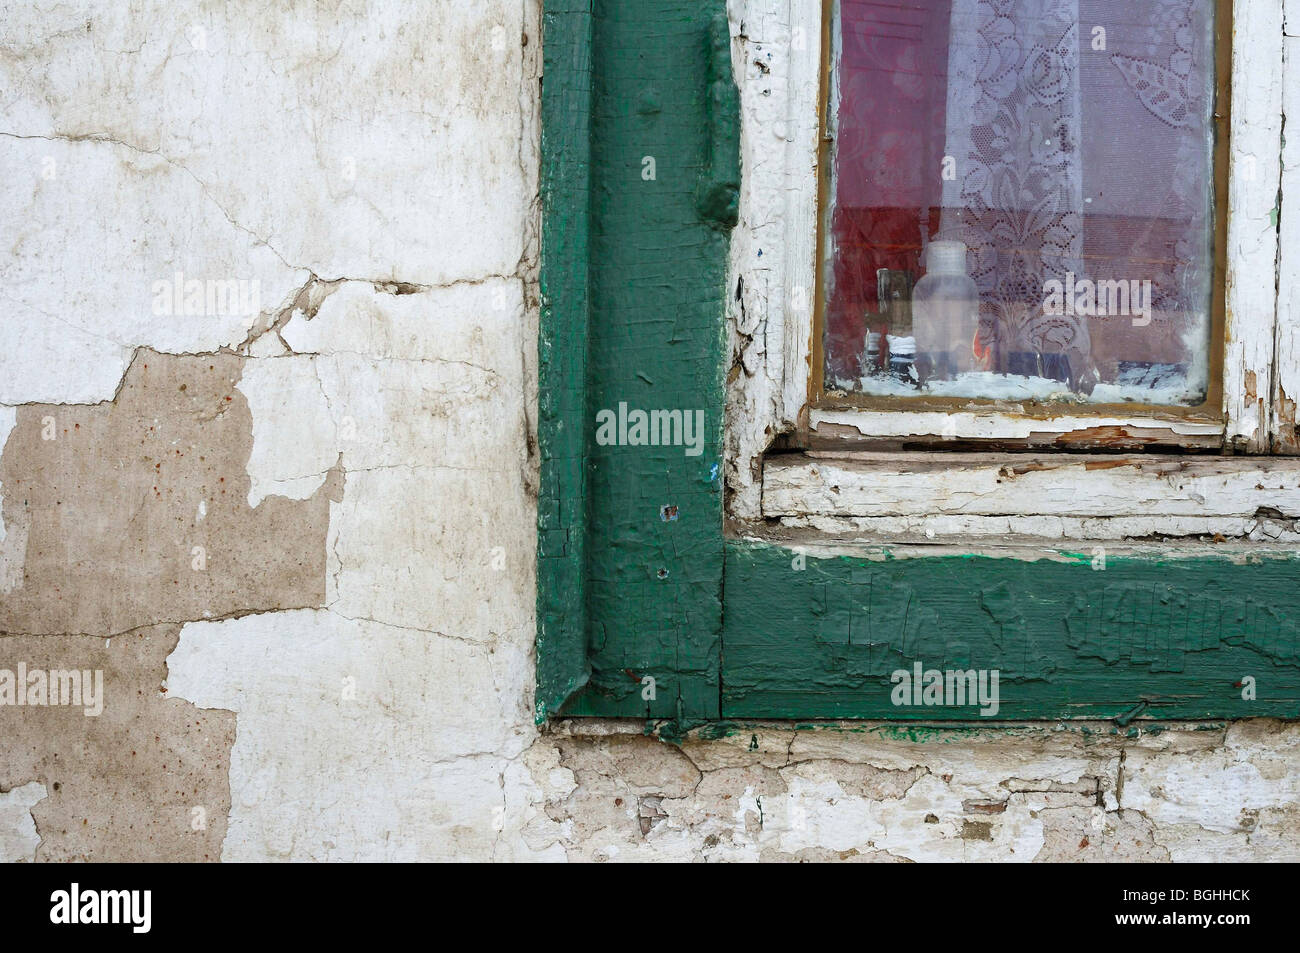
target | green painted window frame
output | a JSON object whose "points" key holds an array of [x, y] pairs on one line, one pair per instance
{"points": [[647, 608]]}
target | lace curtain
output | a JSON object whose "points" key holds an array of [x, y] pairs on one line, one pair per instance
{"points": [[1080, 136]]}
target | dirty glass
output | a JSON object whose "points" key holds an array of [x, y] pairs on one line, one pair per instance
{"points": [[1022, 199]]}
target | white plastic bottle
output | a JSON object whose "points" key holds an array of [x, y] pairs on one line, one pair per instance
{"points": [[945, 314]]}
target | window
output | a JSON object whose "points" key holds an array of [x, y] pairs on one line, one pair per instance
{"points": [[1021, 201], [1097, 195], [1098, 508]]}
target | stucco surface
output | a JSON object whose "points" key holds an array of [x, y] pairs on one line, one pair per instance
{"points": [[349, 675]]}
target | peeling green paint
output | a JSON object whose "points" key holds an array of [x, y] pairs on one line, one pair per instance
{"points": [[562, 664], [633, 613], [661, 161], [718, 198], [1165, 639]]}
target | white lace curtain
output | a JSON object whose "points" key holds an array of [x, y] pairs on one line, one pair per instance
{"points": [[1078, 149]]}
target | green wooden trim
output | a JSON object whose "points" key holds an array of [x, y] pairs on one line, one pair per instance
{"points": [[646, 167], [631, 548], [1144, 637], [717, 200], [562, 666]]}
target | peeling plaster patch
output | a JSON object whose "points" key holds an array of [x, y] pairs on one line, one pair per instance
{"points": [[417, 728], [107, 510], [122, 786], [528, 833], [435, 324], [426, 396], [42, 359], [776, 794], [1247, 812], [429, 379], [643, 765], [389, 380], [69, 340], [18, 836], [1173, 796], [822, 855], [1079, 834], [294, 438]]}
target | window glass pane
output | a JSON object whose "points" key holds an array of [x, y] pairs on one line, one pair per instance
{"points": [[1021, 199]]}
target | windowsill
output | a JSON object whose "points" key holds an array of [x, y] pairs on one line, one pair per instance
{"points": [[1170, 504]]}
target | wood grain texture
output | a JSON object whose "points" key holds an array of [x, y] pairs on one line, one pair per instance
{"points": [[1160, 638], [1253, 196], [1064, 485], [771, 283], [662, 141], [562, 666], [1286, 372]]}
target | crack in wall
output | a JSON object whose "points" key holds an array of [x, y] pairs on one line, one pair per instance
{"points": [[919, 800]]}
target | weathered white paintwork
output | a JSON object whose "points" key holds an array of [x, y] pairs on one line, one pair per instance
{"points": [[771, 318]]}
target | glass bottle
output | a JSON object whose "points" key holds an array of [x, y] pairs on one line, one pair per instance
{"points": [[894, 292], [945, 314]]}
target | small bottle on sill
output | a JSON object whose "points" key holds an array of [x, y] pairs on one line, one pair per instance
{"points": [[894, 290], [902, 358], [945, 314]]}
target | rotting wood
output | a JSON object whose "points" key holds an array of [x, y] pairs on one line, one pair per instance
{"points": [[1254, 182], [1286, 364], [1027, 537], [773, 253], [1061, 497], [1073, 431]]}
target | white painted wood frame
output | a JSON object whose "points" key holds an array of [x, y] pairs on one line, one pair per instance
{"points": [[777, 54]]}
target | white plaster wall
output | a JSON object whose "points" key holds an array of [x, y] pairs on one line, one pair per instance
{"points": [[336, 151]]}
